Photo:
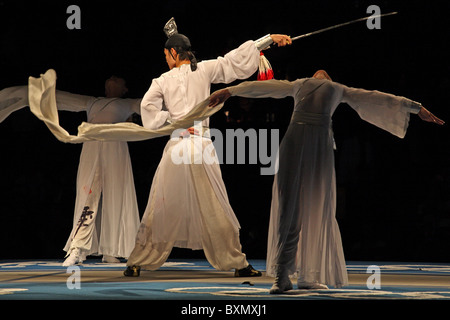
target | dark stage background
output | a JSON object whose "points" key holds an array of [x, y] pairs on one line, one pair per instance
{"points": [[393, 194]]}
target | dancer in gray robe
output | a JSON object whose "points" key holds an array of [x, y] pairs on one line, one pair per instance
{"points": [[304, 236]]}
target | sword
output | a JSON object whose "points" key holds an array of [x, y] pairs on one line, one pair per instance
{"points": [[342, 24]]}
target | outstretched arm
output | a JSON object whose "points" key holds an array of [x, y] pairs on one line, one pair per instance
{"points": [[136, 105], [15, 98], [386, 111], [254, 89], [243, 61], [66, 101], [219, 97]]}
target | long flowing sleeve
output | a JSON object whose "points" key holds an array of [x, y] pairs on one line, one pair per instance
{"points": [[66, 101], [277, 89], [152, 113], [384, 110], [16, 98], [239, 63], [135, 105], [12, 99]]}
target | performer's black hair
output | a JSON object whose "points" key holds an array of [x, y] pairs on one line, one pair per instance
{"points": [[187, 55], [182, 46]]}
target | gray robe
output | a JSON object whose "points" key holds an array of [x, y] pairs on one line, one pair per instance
{"points": [[304, 236]]}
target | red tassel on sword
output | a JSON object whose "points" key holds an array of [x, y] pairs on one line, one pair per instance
{"points": [[265, 69]]}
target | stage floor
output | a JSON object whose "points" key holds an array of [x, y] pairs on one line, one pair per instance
{"points": [[197, 280]]}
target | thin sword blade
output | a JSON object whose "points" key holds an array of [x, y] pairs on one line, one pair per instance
{"points": [[342, 24]]}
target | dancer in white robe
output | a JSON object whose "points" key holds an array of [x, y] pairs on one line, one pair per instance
{"points": [[188, 205], [106, 216], [304, 236]]}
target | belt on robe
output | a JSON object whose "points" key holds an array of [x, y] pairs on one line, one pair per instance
{"points": [[314, 119]]}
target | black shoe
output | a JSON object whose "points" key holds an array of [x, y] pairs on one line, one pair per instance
{"points": [[133, 271], [247, 272]]}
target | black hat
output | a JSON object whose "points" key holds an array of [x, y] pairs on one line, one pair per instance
{"points": [[178, 40]]}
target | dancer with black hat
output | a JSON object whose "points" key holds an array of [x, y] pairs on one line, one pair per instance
{"points": [[188, 205]]}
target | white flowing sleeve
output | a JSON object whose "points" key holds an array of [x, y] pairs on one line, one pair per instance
{"points": [[239, 63], [66, 101], [135, 105], [152, 113], [15, 98], [384, 110], [277, 89], [12, 99]]}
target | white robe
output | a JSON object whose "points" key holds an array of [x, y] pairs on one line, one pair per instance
{"points": [[117, 219], [188, 200], [118, 215], [304, 236]]}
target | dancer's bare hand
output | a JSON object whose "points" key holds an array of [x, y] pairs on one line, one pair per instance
{"points": [[281, 40], [426, 115], [218, 97]]}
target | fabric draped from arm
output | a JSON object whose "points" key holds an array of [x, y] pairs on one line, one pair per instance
{"points": [[66, 101], [277, 89], [135, 105], [152, 113], [386, 111], [239, 63], [12, 99], [16, 98]]}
